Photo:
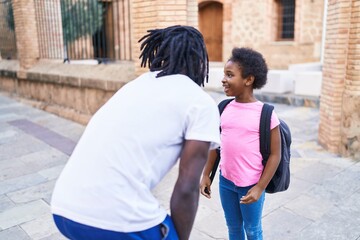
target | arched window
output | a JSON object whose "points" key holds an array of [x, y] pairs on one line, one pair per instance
{"points": [[285, 19]]}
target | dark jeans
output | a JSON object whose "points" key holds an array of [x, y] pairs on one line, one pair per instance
{"points": [[77, 231]]}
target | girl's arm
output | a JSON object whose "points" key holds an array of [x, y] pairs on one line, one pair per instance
{"points": [[205, 180], [273, 162]]}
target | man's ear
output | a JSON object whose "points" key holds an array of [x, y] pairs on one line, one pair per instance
{"points": [[249, 80]]}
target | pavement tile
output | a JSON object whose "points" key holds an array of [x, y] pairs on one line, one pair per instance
{"points": [[24, 145], [55, 236], [21, 182], [306, 206], [5, 117], [51, 173], [338, 188], [40, 191], [284, 224], [45, 159], [5, 203], [46, 135], [11, 168], [4, 101], [30, 163], [341, 223], [317, 172], [23, 213], [298, 164], [6, 135], [40, 228], [214, 225], [71, 130], [61, 126], [204, 210], [15, 108], [14, 233], [273, 202], [198, 235]]}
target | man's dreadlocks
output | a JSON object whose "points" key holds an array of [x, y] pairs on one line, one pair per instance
{"points": [[176, 50]]}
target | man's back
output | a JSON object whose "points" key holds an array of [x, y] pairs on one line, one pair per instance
{"points": [[127, 148]]}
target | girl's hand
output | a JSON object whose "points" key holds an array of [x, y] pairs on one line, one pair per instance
{"points": [[252, 195], [205, 186]]}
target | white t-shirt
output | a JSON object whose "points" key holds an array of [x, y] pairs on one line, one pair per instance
{"points": [[127, 148]]}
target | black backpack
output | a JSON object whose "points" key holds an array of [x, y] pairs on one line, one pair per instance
{"points": [[281, 179]]}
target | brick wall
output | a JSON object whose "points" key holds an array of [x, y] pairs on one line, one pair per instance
{"points": [[150, 14], [339, 129], [334, 70], [350, 118], [26, 33]]}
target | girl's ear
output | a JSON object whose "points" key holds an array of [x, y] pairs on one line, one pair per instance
{"points": [[249, 80]]}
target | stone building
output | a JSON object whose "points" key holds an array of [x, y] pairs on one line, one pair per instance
{"points": [[285, 31]]}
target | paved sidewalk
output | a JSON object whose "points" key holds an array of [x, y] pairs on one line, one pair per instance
{"points": [[323, 201]]}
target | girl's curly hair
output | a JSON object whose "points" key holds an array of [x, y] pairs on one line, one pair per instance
{"points": [[252, 63]]}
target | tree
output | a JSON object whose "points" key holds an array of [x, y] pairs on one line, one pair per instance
{"points": [[9, 15], [80, 18]]}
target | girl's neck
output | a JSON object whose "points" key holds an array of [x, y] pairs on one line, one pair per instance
{"points": [[245, 98]]}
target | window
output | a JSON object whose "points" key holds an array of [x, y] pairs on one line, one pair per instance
{"points": [[285, 19]]}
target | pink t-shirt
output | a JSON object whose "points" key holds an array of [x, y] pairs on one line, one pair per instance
{"points": [[241, 160]]}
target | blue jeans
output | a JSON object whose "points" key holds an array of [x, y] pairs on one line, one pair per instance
{"points": [[77, 231], [240, 218]]}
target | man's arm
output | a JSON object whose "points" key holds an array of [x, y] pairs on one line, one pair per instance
{"points": [[185, 197]]}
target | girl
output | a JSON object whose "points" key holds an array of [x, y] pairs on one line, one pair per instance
{"points": [[243, 178]]}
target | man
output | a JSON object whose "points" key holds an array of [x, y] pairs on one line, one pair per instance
{"points": [[104, 191]]}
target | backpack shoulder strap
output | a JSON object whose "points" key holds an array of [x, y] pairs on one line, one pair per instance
{"points": [[223, 104], [265, 120]]}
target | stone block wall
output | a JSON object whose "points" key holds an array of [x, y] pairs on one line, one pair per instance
{"points": [[252, 24], [74, 92]]}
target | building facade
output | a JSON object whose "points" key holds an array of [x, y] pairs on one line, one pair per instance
{"points": [[285, 31]]}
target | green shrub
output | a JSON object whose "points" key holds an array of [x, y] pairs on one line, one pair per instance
{"points": [[80, 18]]}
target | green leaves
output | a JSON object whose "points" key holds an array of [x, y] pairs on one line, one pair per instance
{"points": [[80, 18], [9, 16]]}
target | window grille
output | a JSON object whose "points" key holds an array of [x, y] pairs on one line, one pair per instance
{"points": [[84, 29], [286, 19]]}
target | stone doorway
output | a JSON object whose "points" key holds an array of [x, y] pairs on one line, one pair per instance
{"points": [[211, 26]]}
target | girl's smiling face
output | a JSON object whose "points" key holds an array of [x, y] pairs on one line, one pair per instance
{"points": [[233, 82]]}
